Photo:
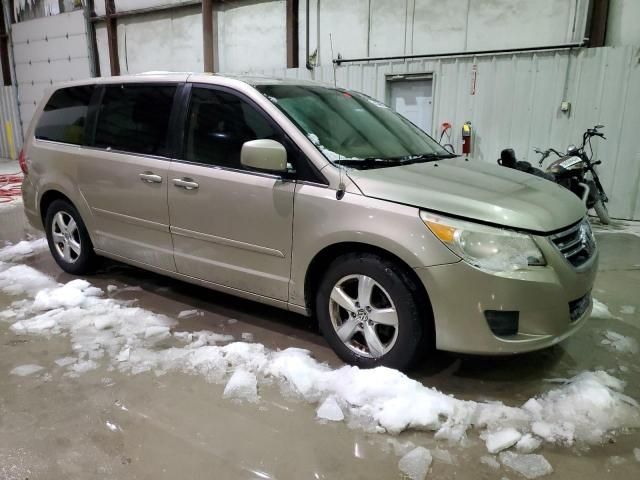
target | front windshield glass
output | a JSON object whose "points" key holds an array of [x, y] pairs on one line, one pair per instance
{"points": [[352, 128]]}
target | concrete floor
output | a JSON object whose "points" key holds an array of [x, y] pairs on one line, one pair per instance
{"points": [[108, 425]]}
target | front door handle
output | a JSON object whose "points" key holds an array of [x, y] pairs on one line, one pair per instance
{"points": [[150, 177], [186, 183]]}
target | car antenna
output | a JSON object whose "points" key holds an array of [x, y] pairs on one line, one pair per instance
{"points": [[341, 186]]}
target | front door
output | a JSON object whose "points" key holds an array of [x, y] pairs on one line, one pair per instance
{"points": [[230, 226], [124, 174]]}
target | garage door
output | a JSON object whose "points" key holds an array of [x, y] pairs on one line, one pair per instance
{"points": [[48, 50]]}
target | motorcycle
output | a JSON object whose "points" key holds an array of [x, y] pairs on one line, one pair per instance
{"points": [[574, 170]]}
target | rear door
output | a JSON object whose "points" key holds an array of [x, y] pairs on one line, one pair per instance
{"points": [[124, 177], [229, 225]]}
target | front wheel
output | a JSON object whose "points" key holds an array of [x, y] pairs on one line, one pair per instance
{"points": [[602, 212], [368, 312]]}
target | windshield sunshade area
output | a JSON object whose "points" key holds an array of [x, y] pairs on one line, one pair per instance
{"points": [[351, 128]]}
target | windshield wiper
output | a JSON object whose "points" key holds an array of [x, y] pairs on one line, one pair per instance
{"points": [[375, 162], [369, 162]]}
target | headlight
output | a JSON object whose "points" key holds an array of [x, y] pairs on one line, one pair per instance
{"points": [[488, 248]]}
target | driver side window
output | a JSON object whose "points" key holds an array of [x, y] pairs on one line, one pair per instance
{"points": [[218, 123]]}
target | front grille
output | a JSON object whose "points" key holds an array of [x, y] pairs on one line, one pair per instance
{"points": [[579, 306], [576, 244]]}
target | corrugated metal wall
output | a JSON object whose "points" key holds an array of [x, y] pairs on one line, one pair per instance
{"points": [[517, 104], [10, 130]]}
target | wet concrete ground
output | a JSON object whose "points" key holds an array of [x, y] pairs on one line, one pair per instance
{"points": [[109, 425]]}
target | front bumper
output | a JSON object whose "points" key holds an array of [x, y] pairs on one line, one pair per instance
{"points": [[460, 294]]}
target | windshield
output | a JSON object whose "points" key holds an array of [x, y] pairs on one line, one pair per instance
{"points": [[351, 128]]}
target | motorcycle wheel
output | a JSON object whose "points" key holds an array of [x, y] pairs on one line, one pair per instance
{"points": [[602, 212]]}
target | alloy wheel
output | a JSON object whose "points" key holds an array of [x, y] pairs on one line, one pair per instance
{"points": [[66, 237], [363, 316]]}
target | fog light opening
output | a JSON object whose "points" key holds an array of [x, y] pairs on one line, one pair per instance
{"points": [[502, 323]]}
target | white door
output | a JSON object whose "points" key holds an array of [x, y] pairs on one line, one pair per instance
{"points": [[48, 50], [413, 99]]}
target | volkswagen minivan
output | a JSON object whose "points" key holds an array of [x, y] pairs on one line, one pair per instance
{"points": [[319, 200]]}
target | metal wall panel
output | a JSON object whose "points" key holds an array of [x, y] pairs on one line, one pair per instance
{"points": [[517, 104], [10, 132], [46, 51]]}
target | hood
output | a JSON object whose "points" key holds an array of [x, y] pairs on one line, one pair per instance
{"points": [[475, 190]]}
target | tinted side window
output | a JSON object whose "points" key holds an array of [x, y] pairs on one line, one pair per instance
{"points": [[218, 124], [135, 118], [63, 118]]}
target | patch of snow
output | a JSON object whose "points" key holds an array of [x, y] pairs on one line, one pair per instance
{"points": [[65, 361], [502, 439], [588, 408], [112, 426], [231, 321], [247, 336], [600, 310], [111, 288], [23, 249], [616, 460], [187, 313], [528, 443], [416, 463], [619, 226], [619, 343], [636, 454], [443, 456], [529, 465], [627, 309], [243, 385], [490, 461], [20, 279], [25, 370], [330, 410]]}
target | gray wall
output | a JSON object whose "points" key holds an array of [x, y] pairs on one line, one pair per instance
{"points": [[517, 104], [362, 28]]}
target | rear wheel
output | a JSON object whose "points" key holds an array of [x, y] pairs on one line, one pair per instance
{"points": [[68, 238], [368, 311], [603, 213]]}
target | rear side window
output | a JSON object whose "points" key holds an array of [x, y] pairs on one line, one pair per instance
{"points": [[135, 118], [65, 115]]}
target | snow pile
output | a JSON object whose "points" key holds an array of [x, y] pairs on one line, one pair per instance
{"points": [[588, 408], [619, 343], [416, 463], [23, 249], [528, 465]]}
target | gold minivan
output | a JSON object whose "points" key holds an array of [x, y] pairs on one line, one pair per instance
{"points": [[318, 200]]}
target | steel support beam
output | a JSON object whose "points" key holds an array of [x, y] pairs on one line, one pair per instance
{"points": [[292, 34], [112, 36], [207, 35]]}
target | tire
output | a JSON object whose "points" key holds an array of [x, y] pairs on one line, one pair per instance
{"points": [[70, 245], [390, 290], [602, 212]]}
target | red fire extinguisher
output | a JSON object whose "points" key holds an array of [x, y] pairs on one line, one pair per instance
{"points": [[466, 138]]}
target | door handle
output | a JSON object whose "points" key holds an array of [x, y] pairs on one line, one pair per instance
{"points": [[150, 177], [186, 183]]}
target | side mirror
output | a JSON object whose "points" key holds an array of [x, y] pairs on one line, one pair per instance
{"points": [[264, 155]]}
